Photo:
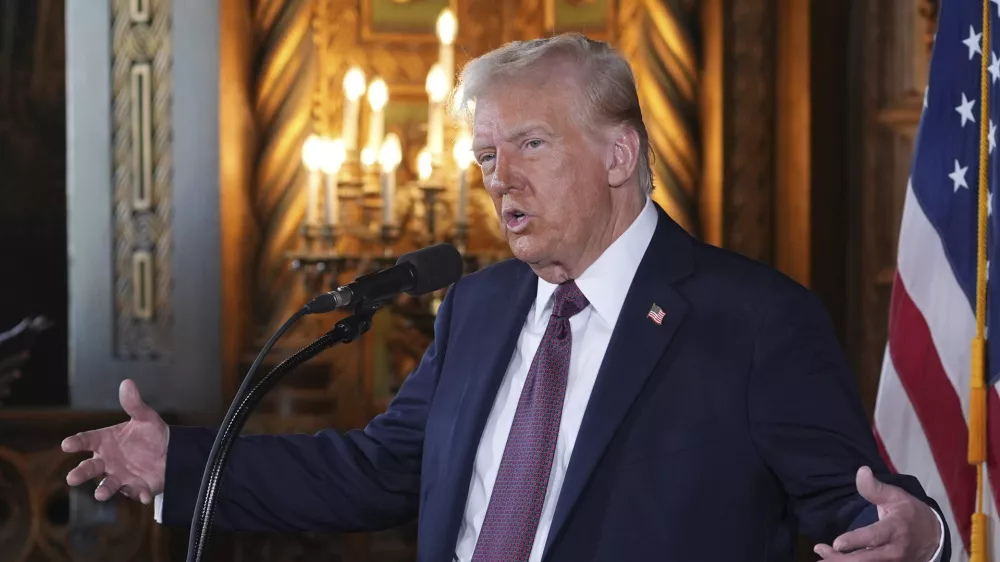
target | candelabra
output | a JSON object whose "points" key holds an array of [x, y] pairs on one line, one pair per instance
{"points": [[358, 218]]}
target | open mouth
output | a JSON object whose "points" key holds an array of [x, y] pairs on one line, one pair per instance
{"points": [[515, 219]]}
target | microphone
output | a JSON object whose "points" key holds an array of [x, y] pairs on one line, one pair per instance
{"points": [[416, 273]]}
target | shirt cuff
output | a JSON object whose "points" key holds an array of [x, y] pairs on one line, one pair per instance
{"points": [[937, 555], [158, 515]]}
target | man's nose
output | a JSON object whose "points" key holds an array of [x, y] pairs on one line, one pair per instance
{"points": [[504, 177]]}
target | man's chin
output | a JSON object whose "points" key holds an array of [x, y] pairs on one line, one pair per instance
{"points": [[523, 247]]}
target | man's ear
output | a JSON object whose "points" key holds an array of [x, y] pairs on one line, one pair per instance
{"points": [[624, 158]]}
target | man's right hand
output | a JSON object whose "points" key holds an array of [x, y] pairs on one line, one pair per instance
{"points": [[130, 457]]}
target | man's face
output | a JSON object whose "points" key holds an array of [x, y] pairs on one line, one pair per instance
{"points": [[547, 177]]}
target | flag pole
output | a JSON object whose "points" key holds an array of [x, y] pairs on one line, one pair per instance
{"points": [[977, 382]]}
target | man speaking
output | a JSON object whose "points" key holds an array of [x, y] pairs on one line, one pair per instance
{"points": [[619, 391]]}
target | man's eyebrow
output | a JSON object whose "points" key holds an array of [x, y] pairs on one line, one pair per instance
{"points": [[527, 129]]}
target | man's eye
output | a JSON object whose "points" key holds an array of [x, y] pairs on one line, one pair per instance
{"points": [[534, 143], [485, 158]]}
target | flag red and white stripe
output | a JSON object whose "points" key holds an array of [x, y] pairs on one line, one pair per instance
{"points": [[922, 410]]}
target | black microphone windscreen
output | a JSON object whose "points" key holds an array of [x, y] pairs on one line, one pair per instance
{"points": [[436, 267]]}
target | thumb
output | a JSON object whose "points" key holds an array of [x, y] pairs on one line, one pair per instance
{"points": [[872, 489], [132, 403]]}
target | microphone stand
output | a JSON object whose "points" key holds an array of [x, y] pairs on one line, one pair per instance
{"points": [[345, 331]]}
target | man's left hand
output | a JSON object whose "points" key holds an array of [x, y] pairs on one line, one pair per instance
{"points": [[907, 528]]}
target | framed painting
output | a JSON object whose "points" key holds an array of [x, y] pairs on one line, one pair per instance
{"points": [[403, 20], [593, 18]]}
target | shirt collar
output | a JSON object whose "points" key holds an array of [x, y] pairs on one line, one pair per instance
{"points": [[605, 283]]}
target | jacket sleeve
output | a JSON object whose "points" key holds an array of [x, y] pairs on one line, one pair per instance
{"points": [[360, 480], [808, 423]]}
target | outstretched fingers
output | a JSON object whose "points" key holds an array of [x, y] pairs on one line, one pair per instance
{"points": [[132, 402], [85, 471], [85, 441], [107, 488]]}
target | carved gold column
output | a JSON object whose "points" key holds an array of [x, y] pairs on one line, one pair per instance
{"points": [[658, 37], [286, 78]]}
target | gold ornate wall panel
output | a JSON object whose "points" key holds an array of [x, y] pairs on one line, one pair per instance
{"points": [[659, 37], [141, 90], [286, 77]]}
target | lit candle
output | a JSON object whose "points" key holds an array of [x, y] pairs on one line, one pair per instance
{"points": [[389, 157], [334, 155], [447, 27], [462, 152], [425, 165], [378, 96], [437, 91], [369, 156], [354, 87], [312, 155]]}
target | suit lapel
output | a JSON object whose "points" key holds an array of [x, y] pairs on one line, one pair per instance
{"points": [[489, 344], [636, 345]]}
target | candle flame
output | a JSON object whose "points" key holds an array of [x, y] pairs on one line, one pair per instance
{"points": [[354, 83], [391, 153], [437, 84], [369, 155], [447, 27], [462, 151], [378, 94], [312, 152], [425, 164]]}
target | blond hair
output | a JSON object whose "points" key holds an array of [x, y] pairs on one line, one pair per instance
{"points": [[609, 86]]}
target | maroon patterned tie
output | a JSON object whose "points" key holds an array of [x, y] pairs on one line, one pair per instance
{"points": [[508, 531]]}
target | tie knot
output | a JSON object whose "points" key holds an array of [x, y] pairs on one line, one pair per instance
{"points": [[569, 300]]}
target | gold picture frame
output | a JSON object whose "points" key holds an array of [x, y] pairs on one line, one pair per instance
{"points": [[594, 18], [411, 21]]}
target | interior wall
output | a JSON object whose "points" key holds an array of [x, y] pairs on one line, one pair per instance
{"points": [[173, 354]]}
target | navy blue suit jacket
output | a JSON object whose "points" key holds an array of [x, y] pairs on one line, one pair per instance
{"points": [[718, 435]]}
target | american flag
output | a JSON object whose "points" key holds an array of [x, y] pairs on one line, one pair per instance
{"points": [[656, 314], [922, 410]]}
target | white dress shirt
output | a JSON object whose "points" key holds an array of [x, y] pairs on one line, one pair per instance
{"points": [[605, 284]]}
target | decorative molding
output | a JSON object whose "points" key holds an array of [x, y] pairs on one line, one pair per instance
{"points": [[370, 33], [142, 169], [748, 221]]}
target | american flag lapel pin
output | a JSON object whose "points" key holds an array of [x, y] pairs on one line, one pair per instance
{"points": [[656, 314]]}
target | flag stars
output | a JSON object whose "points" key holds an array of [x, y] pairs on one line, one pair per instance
{"points": [[989, 203], [965, 110], [958, 176], [993, 136], [994, 66], [997, 2], [973, 42]]}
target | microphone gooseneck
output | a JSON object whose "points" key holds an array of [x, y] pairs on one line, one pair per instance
{"points": [[416, 273]]}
